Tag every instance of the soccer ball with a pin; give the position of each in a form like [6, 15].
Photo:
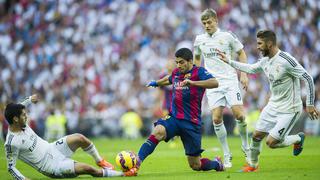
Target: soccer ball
[126, 160]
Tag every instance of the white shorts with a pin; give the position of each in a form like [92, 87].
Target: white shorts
[227, 96]
[57, 161]
[277, 124]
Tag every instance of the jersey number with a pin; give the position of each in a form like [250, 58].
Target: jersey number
[281, 131]
[59, 142]
[238, 96]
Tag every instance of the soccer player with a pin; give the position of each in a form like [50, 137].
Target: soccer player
[188, 83]
[228, 93]
[285, 105]
[51, 159]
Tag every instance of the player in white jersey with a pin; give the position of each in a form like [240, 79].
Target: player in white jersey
[285, 105]
[51, 159]
[228, 93]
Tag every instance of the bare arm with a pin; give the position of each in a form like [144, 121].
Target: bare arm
[209, 83]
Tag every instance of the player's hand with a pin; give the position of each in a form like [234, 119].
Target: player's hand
[34, 98]
[313, 113]
[223, 57]
[152, 83]
[244, 80]
[186, 82]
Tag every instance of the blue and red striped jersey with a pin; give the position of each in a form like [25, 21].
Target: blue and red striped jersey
[186, 101]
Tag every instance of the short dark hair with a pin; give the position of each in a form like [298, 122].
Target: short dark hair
[267, 35]
[208, 13]
[184, 53]
[13, 110]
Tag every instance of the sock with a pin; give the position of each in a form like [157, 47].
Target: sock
[111, 173]
[255, 150]
[207, 164]
[243, 133]
[221, 133]
[91, 149]
[148, 147]
[289, 140]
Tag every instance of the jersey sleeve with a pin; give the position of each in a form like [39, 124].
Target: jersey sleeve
[26, 101]
[12, 153]
[196, 46]
[295, 69]
[248, 68]
[204, 74]
[235, 43]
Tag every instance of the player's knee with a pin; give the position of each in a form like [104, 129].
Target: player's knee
[81, 138]
[195, 166]
[271, 144]
[217, 120]
[159, 132]
[240, 117]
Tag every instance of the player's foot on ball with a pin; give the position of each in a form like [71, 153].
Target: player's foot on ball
[131, 172]
[105, 164]
[227, 161]
[219, 161]
[298, 147]
[249, 168]
[138, 163]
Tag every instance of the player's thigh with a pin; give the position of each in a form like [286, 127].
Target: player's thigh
[57, 165]
[215, 98]
[194, 162]
[266, 121]
[62, 145]
[285, 122]
[238, 112]
[233, 96]
[166, 128]
[191, 138]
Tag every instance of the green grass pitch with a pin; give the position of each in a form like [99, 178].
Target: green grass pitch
[171, 163]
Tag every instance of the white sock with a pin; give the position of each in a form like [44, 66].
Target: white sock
[111, 173]
[255, 150]
[242, 125]
[289, 140]
[91, 149]
[221, 133]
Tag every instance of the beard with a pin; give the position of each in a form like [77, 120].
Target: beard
[265, 52]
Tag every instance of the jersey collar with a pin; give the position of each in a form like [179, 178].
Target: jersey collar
[215, 33]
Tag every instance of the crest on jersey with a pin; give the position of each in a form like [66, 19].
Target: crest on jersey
[187, 76]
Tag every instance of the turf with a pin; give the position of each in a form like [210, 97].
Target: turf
[170, 163]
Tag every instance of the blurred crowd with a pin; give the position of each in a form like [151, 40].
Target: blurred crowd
[89, 60]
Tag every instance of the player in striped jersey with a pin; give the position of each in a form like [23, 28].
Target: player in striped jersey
[51, 159]
[285, 105]
[188, 85]
[228, 93]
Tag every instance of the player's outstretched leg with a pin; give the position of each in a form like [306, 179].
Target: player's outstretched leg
[76, 141]
[298, 147]
[82, 168]
[158, 134]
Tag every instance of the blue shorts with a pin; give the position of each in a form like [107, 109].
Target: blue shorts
[189, 133]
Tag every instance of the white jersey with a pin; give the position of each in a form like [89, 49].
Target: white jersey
[284, 74]
[208, 46]
[27, 146]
